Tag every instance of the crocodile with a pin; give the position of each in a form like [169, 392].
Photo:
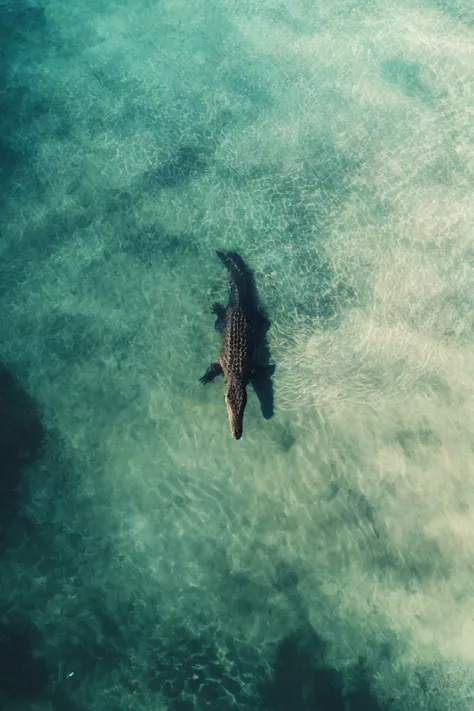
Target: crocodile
[241, 324]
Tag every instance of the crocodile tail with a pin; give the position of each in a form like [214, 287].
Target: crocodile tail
[239, 277]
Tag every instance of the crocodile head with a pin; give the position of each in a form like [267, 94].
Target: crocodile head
[236, 399]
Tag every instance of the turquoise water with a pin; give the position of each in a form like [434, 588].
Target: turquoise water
[149, 562]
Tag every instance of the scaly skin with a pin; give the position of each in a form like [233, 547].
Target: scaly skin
[238, 324]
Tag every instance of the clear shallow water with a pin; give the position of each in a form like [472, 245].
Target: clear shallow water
[151, 562]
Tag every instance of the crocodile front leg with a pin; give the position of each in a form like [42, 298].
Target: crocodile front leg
[212, 372]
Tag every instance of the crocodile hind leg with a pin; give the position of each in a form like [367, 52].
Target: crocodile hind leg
[219, 311]
[212, 372]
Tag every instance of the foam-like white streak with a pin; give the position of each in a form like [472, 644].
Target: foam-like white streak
[337, 159]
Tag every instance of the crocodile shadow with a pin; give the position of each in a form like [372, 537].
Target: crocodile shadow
[21, 437]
